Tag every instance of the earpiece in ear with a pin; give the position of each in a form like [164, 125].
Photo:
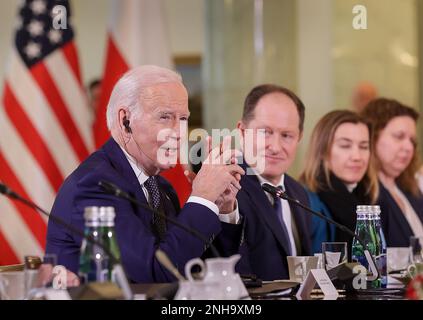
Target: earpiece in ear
[125, 123]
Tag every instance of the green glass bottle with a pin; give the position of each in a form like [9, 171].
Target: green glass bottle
[373, 245]
[107, 219]
[380, 256]
[363, 230]
[92, 260]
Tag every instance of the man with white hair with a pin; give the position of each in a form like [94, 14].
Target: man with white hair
[147, 116]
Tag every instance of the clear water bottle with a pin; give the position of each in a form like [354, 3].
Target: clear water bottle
[93, 262]
[31, 271]
[107, 222]
[381, 258]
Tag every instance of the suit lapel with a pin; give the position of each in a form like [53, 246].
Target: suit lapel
[400, 220]
[416, 203]
[121, 164]
[265, 209]
[298, 216]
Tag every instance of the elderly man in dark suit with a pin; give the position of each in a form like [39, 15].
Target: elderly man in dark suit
[146, 115]
[273, 228]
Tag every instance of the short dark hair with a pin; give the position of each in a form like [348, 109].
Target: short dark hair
[260, 91]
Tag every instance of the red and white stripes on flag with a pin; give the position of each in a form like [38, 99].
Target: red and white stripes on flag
[45, 129]
[136, 36]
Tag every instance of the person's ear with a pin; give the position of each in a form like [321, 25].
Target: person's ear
[124, 122]
[241, 128]
[241, 133]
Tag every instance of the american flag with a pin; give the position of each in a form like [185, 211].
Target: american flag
[45, 129]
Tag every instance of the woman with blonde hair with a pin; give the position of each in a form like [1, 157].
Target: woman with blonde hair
[337, 173]
[396, 161]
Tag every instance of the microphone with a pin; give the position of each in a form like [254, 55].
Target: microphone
[277, 192]
[281, 194]
[111, 188]
[120, 275]
[8, 192]
[11, 194]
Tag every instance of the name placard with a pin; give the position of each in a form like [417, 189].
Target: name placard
[322, 279]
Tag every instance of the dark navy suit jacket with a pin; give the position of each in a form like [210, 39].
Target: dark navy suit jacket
[262, 247]
[134, 234]
[395, 226]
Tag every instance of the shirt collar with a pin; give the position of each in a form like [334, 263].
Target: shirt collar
[263, 180]
[351, 187]
[141, 176]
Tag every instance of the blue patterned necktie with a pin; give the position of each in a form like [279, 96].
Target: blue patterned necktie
[155, 200]
[277, 206]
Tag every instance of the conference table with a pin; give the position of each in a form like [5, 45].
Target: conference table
[167, 291]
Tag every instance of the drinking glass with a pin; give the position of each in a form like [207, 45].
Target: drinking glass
[12, 285]
[416, 255]
[32, 265]
[45, 274]
[416, 247]
[334, 253]
[398, 259]
[50, 258]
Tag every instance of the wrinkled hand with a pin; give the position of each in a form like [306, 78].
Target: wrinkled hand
[226, 201]
[219, 176]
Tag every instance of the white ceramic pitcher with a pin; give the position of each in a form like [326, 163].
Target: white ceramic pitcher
[221, 270]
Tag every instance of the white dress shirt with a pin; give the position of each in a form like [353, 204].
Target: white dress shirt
[286, 211]
[232, 217]
[409, 213]
[419, 177]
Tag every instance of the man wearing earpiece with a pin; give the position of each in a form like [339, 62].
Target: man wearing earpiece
[147, 116]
